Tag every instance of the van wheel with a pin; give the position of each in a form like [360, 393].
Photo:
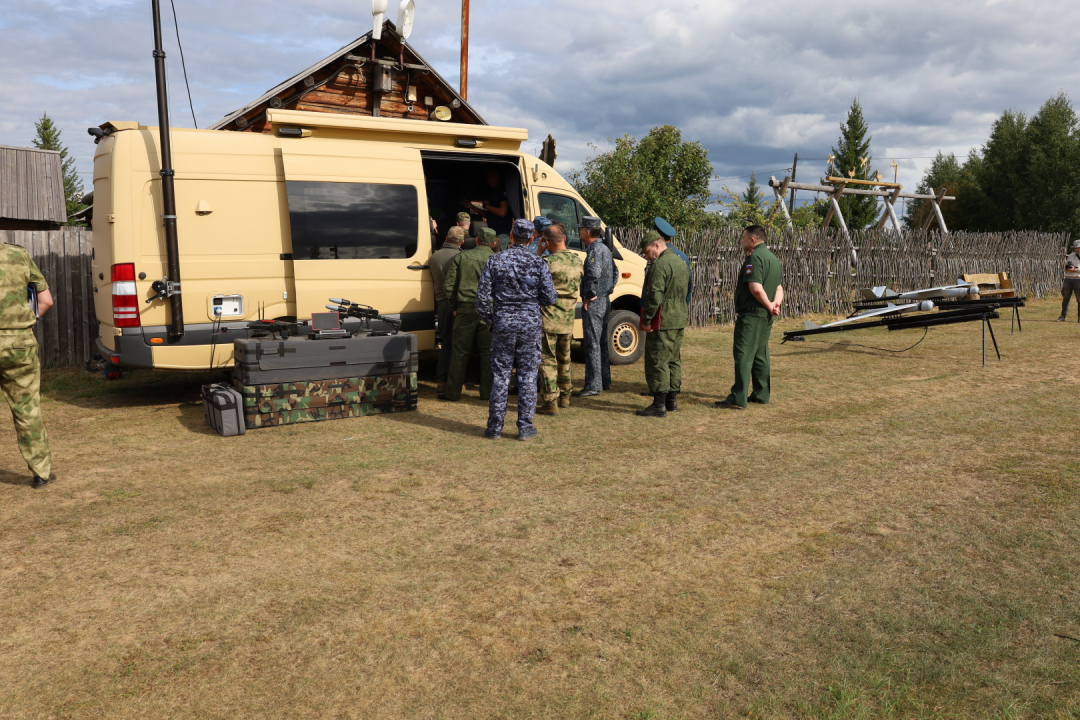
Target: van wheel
[625, 343]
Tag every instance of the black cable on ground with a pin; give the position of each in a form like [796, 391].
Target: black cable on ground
[176, 24]
[869, 347]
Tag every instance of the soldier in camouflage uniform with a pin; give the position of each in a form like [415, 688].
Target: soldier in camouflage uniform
[566, 270]
[513, 287]
[596, 286]
[462, 277]
[20, 372]
[664, 318]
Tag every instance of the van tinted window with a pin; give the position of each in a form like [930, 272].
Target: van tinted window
[559, 208]
[352, 221]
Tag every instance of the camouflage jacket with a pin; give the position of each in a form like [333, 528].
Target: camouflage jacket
[566, 271]
[600, 272]
[17, 271]
[512, 288]
[463, 276]
[665, 290]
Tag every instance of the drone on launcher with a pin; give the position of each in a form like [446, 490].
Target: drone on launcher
[919, 301]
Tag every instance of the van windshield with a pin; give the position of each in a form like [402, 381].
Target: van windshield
[352, 221]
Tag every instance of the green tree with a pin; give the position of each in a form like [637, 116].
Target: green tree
[661, 175]
[47, 137]
[750, 208]
[1026, 176]
[851, 159]
[944, 172]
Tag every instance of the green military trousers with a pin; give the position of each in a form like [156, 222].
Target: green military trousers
[555, 366]
[469, 328]
[20, 381]
[663, 360]
[751, 351]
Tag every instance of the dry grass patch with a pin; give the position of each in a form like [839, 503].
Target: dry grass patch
[893, 537]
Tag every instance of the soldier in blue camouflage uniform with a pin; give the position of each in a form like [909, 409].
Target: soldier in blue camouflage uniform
[540, 224]
[566, 270]
[20, 372]
[596, 287]
[512, 288]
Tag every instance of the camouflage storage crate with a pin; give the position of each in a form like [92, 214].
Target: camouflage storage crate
[296, 402]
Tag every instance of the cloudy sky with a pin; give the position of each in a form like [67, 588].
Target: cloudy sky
[755, 82]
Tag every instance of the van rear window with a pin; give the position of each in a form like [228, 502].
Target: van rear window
[352, 221]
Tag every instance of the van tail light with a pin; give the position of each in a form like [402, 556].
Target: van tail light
[125, 301]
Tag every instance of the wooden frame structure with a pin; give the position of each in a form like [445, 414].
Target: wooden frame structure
[839, 187]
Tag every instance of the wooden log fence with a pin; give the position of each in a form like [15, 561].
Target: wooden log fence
[823, 270]
[66, 333]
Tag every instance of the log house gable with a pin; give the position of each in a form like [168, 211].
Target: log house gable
[349, 82]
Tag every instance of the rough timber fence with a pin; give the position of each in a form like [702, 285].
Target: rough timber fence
[823, 271]
[67, 332]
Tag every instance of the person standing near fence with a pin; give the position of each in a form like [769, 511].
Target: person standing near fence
[663, 318]
[26, 297]
[758, 296]
[1070, 286]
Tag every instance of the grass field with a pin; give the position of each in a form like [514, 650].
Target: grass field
[895, 536]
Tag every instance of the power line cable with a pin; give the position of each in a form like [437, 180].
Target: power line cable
[176, 24]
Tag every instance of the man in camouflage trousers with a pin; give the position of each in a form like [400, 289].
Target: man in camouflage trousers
[513, 287]
[20, 372]
[664, 318]
[462, 278]
[558, 320]
[596, 286]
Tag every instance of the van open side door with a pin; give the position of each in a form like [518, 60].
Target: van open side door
[360, 229]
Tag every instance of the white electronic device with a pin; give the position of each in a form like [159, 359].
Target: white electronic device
[378, 13]
[227, 306]
[406, 12]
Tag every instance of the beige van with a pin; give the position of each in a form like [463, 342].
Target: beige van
[272, 225]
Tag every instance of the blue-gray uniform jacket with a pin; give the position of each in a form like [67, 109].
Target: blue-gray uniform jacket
[600, 272]
[513, 286]
[690, 284]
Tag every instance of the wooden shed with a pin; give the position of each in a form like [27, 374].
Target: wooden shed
[383, 78]
[31, 189]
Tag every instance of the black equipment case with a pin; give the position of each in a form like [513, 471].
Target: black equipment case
[300, 359]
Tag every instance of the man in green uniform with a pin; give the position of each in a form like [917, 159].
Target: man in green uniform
[566, 270]
[757, 301]
[663, 317]
[462, 277]
[440, 259]
[20, 373]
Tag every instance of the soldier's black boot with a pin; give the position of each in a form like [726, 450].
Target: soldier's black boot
[658, 407]
[671, 405]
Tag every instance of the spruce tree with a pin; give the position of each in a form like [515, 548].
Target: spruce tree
[851, 159]
[752, 195]
[48, 138]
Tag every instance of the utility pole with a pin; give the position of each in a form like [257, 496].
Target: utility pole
[791, 200]
[168, 191]
[465, 50]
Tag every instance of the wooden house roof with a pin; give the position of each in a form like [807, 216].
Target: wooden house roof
[32, 185]
[345, 82]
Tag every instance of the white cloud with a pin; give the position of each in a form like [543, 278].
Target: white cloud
[754, 82]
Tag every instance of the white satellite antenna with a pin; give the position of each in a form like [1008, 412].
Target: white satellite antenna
[378, 12]
[406, 12]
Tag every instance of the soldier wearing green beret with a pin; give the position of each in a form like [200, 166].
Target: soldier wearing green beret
[21, 284]
[462, 278]
[757, 301]
[663, 317]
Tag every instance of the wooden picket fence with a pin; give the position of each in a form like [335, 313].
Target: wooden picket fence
[823, 271]
[67, 332]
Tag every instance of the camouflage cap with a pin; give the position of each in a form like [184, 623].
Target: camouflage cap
[650, 237]
[523, 229]
[456, 234]
[589, 222]
[487, 236]
[463, 216]
[541, 223]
